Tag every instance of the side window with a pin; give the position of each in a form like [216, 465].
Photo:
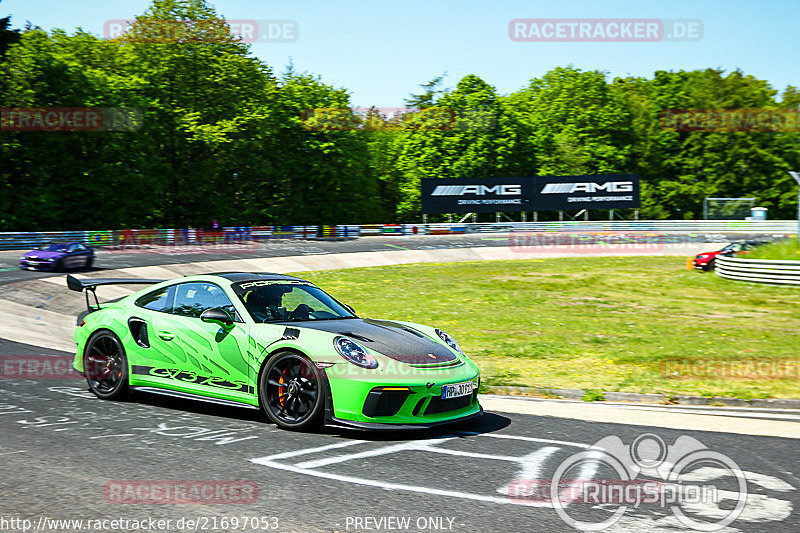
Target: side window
[159, 300]
[72, 248]
[191, 299]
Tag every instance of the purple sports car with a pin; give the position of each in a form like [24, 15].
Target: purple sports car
[58, 256]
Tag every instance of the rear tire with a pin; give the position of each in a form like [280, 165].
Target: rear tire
[106, 366]
[89, 262]
[290, 391]
[58, 266]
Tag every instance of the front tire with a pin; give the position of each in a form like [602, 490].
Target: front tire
[106, 366]
[290, 391]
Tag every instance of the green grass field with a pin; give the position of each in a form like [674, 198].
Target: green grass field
[603, 324]
[785, 249]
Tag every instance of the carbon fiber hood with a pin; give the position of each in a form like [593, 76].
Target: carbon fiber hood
[394, 340]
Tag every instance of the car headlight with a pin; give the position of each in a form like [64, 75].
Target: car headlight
[354, 353]
[703, 256]
[450, 341]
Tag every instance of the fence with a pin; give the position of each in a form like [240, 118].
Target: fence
[759, 270]
[247, 234]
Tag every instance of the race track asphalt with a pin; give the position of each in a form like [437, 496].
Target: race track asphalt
[64, 453]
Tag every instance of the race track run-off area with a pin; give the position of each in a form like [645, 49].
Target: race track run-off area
[168, 464]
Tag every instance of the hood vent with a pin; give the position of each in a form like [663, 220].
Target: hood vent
[357, 336]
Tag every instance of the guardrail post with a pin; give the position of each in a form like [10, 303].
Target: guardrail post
[796, 177]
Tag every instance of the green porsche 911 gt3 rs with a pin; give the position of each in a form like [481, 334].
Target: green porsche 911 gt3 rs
[272, 342]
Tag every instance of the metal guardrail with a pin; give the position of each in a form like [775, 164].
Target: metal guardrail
[237, 235]
[773, 271]
[700, 226]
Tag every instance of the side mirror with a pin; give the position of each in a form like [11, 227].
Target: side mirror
[217, 315]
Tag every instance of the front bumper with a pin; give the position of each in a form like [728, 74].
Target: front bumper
[701, 265]
[36, 264]
[349, 424]
[382, 401]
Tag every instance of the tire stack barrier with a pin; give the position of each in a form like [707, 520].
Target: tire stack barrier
[777, 272]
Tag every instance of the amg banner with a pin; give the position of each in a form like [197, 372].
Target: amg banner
[550, 193]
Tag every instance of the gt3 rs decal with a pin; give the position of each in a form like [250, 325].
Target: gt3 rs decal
[192, 377]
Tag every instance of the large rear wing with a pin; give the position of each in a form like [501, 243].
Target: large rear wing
[90, 285]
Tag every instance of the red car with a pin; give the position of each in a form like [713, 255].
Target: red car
[705, 261]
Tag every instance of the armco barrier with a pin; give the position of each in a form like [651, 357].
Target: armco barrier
[241, 234]
[759, 270]
[700, 226]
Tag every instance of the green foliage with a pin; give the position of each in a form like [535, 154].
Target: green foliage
[225, 138]
[593, 395]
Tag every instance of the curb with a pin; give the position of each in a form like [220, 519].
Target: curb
[663, 399]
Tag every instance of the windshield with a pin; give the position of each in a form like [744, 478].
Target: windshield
[54, 247]
[269, 301]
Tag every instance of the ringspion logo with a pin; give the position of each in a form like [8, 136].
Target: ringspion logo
[680, 477]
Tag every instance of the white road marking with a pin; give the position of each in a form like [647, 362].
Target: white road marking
[759, 508]
[429, 445]
[396, 486]
[708, 473]
[531, 467]
[586, 471]
[394, 448]
[306, 451]
[529, 439]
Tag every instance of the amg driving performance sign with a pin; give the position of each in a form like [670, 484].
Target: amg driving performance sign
[550, 193]
[476, 195]
[603, 191]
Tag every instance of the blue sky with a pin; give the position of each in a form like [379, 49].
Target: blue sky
[382, 49]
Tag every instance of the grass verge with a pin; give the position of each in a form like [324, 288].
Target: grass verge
[785, 249]
[627, 324]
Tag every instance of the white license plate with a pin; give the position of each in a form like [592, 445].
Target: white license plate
[456, 390]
